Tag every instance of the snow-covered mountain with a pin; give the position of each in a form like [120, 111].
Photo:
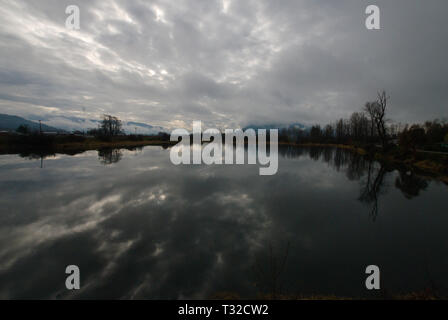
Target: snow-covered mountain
[279, 126]
[75, 123]
[130, 127]
[11, 123]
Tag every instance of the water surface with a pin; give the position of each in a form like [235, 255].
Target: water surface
[139, 227]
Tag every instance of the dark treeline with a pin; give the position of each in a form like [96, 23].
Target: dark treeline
[371, 126]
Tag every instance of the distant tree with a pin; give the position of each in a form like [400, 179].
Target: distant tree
[94, 132]
[412, 138]
[446, 138]
[340, 135]
[24, 129]
[110, 125]
[315, 132]
[283, 135]
[164, 136]
[359, 125]
[394, 129]
[300, 136]
[328, 132]
[435, 131]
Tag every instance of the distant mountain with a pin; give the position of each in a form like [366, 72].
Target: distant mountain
[142, 127]
[11, 123]
[70, 124]
[278, 126]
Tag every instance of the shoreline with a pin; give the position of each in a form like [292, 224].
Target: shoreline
[433, 166]
[78, 147]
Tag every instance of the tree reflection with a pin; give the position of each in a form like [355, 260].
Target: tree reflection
[315, 153]
[109, 156]
[291, 152]
[269, 269]
[410, 184]
[339, 159]
[372, 187]
[328, 155]
[38, 156]
[357, 167]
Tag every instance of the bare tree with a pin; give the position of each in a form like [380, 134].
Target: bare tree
[377, 114]
[381, 116]
[368, 108]
[342, 129]
[316, 132]
[110, 126]
[358, 126]
[269, 273]
[328, 132]
[339, 130]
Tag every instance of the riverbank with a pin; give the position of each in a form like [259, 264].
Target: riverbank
[70, 145]
[433, 165]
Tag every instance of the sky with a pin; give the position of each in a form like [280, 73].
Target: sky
[227, 63]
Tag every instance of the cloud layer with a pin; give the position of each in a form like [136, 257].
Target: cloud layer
[227, 63]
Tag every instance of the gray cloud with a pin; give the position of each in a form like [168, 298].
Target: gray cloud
[227, 63]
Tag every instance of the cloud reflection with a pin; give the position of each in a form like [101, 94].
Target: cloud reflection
[194, 231]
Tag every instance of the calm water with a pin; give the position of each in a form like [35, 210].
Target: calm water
[139, 227]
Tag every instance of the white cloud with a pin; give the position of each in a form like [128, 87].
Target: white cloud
[223, 62]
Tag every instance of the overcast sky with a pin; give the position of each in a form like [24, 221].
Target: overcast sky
[225, 62]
